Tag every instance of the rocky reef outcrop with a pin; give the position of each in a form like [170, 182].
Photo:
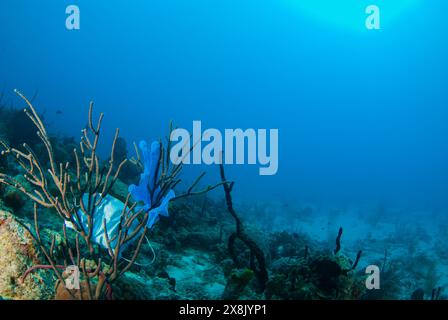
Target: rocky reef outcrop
[18, 253]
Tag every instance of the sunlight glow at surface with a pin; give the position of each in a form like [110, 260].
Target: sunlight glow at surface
[351, 13]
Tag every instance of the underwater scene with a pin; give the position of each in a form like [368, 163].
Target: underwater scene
[223, 150]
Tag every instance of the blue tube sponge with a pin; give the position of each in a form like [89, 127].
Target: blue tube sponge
[147, 191]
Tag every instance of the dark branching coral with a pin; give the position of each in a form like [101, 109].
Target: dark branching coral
[338, 249]
[338, 241]
[257, 258]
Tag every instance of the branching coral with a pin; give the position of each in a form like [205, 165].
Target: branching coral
[257, 257]
[75, 197]
[338, 249]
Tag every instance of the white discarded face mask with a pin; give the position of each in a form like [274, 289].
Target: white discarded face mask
[110, 210]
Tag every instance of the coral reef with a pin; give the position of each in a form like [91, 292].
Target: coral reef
[52, 216]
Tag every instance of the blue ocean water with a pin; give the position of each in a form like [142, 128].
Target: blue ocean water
[362, 114]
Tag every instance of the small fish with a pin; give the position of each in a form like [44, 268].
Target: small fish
[58, 112]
